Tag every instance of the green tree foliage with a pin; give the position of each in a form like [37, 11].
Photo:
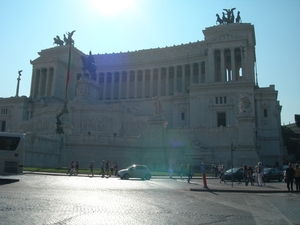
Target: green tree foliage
[291, 140]
[297, 120]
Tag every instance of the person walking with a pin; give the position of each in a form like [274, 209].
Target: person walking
[212, 170]
[91, 169]
[116, 169]
[189, 169]
[77, 167]
[222, 171]
[245, 174]
[102, 168]
[290, 173]
[259, 174]
[181, 171]
[297, 177]
[250, 173]
[107, 168]
[70, 168]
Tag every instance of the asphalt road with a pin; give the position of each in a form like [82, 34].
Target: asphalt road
[46, 199]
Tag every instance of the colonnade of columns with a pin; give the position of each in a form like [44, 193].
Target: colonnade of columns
[228, 64]
[42, 83]
[147, 83]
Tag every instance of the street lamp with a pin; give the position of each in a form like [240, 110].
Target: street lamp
[231, 151]
[18, 84]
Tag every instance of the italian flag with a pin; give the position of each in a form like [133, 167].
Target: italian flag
[69, 68]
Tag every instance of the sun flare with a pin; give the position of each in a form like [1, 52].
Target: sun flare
[111, 8]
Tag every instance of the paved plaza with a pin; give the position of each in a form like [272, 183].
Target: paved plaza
[60, 199]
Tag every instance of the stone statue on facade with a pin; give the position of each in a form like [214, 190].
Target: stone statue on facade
[238, 17]
[157, 105]
[244, 104]
[227, 17]
[219, 20]
[88, 64]
[67, 40]
[58, 41]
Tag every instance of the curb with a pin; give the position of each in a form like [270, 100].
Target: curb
[239, 191]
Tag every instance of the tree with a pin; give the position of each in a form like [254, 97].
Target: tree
[297, 120]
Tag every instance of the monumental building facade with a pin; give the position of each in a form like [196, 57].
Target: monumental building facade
[186, 104]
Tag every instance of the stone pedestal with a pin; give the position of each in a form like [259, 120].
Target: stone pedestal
[245, 151]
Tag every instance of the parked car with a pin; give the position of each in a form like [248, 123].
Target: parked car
[271, 174]
[135, 171]
[238, 174]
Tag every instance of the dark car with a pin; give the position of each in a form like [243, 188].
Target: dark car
[238, 174]
[271, 174]
[135, 171]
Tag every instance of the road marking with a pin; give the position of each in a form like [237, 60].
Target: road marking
[264, 212]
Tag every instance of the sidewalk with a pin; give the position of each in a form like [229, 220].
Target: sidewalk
[214, 185]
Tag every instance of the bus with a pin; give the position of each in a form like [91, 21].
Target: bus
[11, 153]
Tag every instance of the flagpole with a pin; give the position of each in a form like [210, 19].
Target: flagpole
[65, 109]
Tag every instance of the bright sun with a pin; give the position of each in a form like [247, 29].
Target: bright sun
[111, 8]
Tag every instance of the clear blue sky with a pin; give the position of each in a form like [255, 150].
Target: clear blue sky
[101, 26]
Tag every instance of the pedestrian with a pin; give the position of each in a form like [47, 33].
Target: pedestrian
[245, 174]
[77, 167]
[189, 169]
[290, 173]
[250, 173]
[216, 171]
[116, 169]
[91, 169]
[102, 168]
[222, 171]
[259, 174]
[112, 166]
[297, 177]
[70, 168]
[171, 171]
[212, 170]
[107, 168]
[181, 171]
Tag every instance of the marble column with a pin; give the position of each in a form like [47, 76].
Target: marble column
[104, 86]
[233, 73]
[120, 86]
[151, 82]
[167, 81]
[159, 82]
[143, 83]
[127, 84]
[223, 78]
[183, 78]
[135, 83]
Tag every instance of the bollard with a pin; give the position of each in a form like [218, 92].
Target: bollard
[204, 180]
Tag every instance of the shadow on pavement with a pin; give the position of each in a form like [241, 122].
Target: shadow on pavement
[7, 181]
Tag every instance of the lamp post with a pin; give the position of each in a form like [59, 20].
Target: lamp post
[231, 151]
[18, 84]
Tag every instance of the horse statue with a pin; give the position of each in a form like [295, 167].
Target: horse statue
[58, 41]
[219, 20]
[230, 15]
[88, 64]
[68, 40]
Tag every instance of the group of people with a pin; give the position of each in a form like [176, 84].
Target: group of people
[73, 169]
[293, 176]
[248, 172]
[107, 169]
[218, 170]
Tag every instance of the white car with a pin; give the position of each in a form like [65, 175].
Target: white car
[135, 171]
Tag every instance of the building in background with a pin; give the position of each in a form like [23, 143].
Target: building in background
[187, 104]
